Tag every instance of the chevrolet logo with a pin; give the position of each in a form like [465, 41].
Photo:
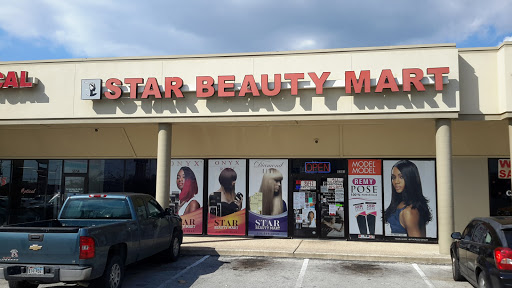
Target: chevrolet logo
[35, 247]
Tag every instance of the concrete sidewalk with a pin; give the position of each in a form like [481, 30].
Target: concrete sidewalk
[315, 248]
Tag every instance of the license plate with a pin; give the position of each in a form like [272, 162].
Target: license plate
[35, 270]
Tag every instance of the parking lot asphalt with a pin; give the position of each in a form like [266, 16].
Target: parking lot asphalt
[425, 253]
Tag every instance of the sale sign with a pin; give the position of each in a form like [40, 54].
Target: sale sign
[503, 168]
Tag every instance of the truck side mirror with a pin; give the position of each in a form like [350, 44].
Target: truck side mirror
[169, 211]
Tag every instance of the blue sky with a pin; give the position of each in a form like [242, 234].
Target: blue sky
[57, 29]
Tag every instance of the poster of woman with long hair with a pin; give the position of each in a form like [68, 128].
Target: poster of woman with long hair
[268, 197]
[226, 196]
[410, 199]
[186, 197]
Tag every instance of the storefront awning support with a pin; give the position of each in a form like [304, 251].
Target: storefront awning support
[444, 184]
[163, 167]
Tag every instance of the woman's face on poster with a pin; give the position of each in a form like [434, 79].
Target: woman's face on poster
[397, 180]
[180, 179]
[277, 185]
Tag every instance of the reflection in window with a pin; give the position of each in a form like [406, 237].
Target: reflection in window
[75, 166]
[54, 188]
[28, 196]
[106, 176]
[5, 183]
[140, 176]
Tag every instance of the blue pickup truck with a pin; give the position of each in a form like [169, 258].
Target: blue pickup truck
[90, 242]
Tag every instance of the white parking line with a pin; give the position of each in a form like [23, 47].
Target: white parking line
[168, 282]
[298, 284]
[423, 276]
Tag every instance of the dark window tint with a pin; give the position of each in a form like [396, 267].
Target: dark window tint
[5, 183]
[508, 237]
[481, 234]
[499, 187]
[96, 208]
[106, 176]
[466, 235]
[140, 176]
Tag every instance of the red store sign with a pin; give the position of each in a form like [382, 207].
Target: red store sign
[226, 86]
[11, 80]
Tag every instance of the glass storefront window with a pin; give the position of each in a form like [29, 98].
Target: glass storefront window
[27, 196]
[140, 176]
[500, 197]
[32, 190]
[5, 183]
[106, 176]
[75, 166]
[54, 197]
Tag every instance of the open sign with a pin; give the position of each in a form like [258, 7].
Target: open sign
[317, 167]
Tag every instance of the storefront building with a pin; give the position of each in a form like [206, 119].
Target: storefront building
[318, 144]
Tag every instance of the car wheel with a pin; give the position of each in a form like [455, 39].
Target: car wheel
[456, 269]
[175, 248]
[113, 275]
[22, 284]
[482, 280]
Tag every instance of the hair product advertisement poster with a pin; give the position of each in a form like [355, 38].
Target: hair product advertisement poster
[226, 196]
[365, 198]
[410, 199]
[268, 194]
[186, 197]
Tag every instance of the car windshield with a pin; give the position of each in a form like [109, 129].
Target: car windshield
[96, 208]
[508, 236]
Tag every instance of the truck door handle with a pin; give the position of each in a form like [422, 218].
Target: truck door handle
[35, 237]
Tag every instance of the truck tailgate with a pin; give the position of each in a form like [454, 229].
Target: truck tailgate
[35, 246]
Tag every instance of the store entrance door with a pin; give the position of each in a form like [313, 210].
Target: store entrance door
[318, 199]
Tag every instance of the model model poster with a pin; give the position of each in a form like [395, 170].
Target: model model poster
[226, 196]
[186, 197]
[268, 195]
[410, 199]
[365, 197]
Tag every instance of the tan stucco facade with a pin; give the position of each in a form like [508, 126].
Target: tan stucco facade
[51, 120]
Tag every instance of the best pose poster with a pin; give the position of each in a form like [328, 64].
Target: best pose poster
[365, 197]
[226, 196]
[268, 195]
[410, 199]
[186, 195]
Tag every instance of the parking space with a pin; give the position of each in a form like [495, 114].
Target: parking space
[214, 271]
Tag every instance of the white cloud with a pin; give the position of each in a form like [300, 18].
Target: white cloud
[97, 28]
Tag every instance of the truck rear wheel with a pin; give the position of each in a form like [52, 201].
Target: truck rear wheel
[22, 284]
[113, 275]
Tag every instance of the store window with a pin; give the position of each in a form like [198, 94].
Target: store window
[140, 176]
[5, 183]
[106, 176]
[28, 194]
[32, 190]
[500, 197]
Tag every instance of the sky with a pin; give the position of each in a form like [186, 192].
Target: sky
[64, 29]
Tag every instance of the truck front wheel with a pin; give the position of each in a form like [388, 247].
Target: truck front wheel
[22, 284]
[175, 248]
[113, 275]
